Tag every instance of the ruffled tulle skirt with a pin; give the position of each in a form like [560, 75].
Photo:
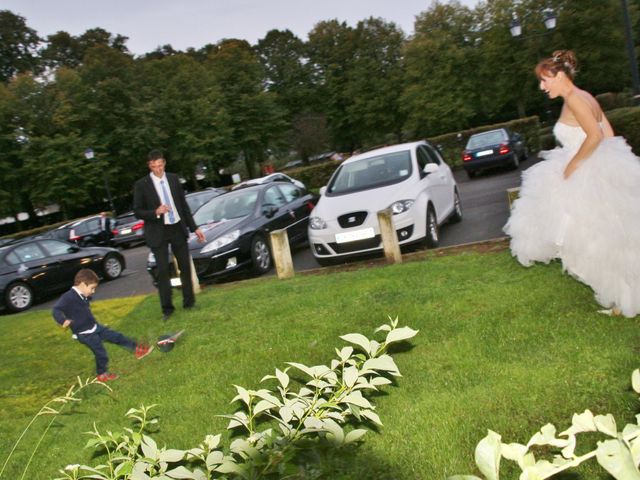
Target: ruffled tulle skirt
[590, 221]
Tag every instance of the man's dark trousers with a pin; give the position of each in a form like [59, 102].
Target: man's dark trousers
[94, 342]
[173, 235]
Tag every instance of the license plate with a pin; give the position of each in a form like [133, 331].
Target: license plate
[355, 235]
[125, 231]
[484, 153]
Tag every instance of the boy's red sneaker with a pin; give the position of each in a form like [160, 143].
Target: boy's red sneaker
[106, 377]
[142, 351]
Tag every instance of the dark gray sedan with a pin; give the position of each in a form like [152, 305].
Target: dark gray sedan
[500, 147]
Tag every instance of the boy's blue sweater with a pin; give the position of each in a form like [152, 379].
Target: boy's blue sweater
[71, 306]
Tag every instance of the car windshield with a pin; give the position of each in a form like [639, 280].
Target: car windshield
[225, 207]
[487, 138]
[371, 172]
[196, 200]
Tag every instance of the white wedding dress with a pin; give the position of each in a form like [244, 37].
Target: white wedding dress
[590, 221]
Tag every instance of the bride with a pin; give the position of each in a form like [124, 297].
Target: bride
[582, 203]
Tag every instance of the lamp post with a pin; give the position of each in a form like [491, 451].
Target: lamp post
[88, 154]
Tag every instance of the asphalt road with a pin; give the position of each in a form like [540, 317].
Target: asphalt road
[485, 211]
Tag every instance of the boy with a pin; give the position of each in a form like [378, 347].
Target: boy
[72, 310]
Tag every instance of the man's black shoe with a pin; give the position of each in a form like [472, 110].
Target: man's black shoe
[165, 316]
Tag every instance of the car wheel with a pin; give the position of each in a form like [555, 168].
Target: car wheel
[112, 267]
[456, 216]
[525, 153]
[432, 236]
[18, 297]
[515, 161]
[260, 255]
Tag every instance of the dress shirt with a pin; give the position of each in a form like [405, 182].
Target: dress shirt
[172, 205]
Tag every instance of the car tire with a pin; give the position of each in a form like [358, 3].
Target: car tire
[432, 235]
[456, 216]
[260, 255]
[525, 154]
[515, 161]
[112, 267]
[18, 297]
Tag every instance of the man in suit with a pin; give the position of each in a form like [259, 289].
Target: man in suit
[158, 199]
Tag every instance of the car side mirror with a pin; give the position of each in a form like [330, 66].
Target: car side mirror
[73, 249]
[430, 168]
[323, 190]
[269, 211]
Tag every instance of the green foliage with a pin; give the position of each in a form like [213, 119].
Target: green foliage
[626, 122]
[619, 454]
[315, 176]
[71, 396]
[309, 416]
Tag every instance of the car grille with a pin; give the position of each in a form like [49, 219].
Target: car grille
[352, 219]
[367, 244]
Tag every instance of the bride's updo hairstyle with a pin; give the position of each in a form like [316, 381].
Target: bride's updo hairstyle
[560, 61]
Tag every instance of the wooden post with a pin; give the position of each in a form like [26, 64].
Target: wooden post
[282, 253]
[512, 195]
[389, 236]
[194, 278]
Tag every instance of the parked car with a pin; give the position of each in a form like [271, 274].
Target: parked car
[237, 225]
[86, 232]
[273, 177]
[32, 269]
[197, 199]
[494, 148]
[127, 230]
[411, 179]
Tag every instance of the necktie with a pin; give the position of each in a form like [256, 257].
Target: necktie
[167, 201]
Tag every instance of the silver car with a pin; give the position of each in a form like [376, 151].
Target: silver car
[411, 178]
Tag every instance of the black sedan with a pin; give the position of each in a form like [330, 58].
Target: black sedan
[494, 148]
[33, 269]
[237, 226]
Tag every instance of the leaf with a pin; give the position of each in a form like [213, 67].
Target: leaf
[615, 458]
[487, 455]
[399, 334]
[301, 367]
[261, 406]
[213, 459]
[350, 375]
[635, 380]
[514, 452]
[149, 447]
[354, 435]
[606, 424]
[172, 455]
[371, 415]
[384, 363]
[283, 378]
[379, 381]
[179, 472]
[356, 398]
[357, 339]
[212, 441]
[464, 477]
[243, 395]
[581, 423]
[345, 353]
[286, 413]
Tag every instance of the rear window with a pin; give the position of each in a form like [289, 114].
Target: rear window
[371, 172]
[487, 138]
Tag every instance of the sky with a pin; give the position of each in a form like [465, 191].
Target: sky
[195, 23]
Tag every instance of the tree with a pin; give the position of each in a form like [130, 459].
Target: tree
[18, 46]
[255, 119]
[376, 82]
[440, 63]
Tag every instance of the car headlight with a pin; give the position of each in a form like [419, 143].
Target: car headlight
[316, 223]
[221, 241]
[401, 206]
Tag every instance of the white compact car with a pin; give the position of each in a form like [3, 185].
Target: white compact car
[411, 178]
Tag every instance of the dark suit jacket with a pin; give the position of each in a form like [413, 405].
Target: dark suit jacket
[146, 201]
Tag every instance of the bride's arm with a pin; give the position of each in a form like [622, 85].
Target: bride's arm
[583, 113]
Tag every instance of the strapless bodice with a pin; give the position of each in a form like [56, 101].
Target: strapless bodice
[569, 136]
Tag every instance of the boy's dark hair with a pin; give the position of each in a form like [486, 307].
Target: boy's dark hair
[86, 276]
[155, 155]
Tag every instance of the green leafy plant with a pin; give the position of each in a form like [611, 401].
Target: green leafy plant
[619, 454]
[72, 396]
[274, 428]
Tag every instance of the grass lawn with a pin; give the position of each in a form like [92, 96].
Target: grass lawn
[500, 347]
